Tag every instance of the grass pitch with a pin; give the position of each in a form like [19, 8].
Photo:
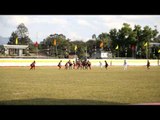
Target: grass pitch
[50, 86]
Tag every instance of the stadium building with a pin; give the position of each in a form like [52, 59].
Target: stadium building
[16, 50]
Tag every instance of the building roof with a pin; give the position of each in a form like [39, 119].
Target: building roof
[16, 46]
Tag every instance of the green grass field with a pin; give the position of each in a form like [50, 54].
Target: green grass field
[50, 86]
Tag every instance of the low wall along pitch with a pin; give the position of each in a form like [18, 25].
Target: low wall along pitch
[94, 62]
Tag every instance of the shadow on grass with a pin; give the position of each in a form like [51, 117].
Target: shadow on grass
[51, 101]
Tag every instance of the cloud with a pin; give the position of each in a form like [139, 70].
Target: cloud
[34, 19]
[87, 23]
[111, 22]
[74, 36]
[16, 20]
[20, 19]
[83, 22]
[117, 21]
[73, 26]
[59, 21]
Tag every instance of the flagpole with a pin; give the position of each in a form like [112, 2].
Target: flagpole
[147, 51]
[37, 46]
[55, 44]
[158, 56]
[75, 53]
[56, 50]
[118, 53]
[37, 51]
[75, 49]
[86, 52]
[158, 59]
[117, 50]
[140, 53]
[132, 51]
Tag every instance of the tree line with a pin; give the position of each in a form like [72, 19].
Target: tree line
[123, 42]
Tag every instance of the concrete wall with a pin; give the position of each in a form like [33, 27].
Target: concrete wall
[120, 62]
[27, 62]
[94, 62]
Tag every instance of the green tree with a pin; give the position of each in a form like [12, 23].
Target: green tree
[12, 39]
[90, 46]
[60, 49]
[105, 39]
[138, 40]
[81, 47]
[114, 37]
[157, 39]
[148, 36]
[22, 31]
[94, 36]
[122, 39]
[22, 34]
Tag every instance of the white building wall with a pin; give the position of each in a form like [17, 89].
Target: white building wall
[6, 51]
[20, 52]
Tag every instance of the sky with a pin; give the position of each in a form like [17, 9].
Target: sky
[74, 27]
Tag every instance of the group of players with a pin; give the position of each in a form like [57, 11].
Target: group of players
[76, 65]
[80, 64]
[85, 64]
